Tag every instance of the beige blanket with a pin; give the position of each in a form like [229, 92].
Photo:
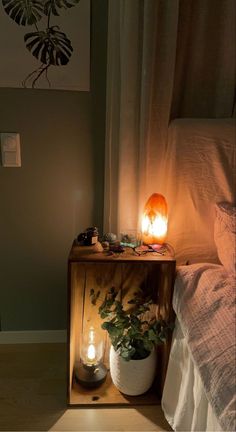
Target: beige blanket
[204, 302]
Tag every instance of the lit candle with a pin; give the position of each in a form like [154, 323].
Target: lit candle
[91, 353]
[91, 372]
[91, 356]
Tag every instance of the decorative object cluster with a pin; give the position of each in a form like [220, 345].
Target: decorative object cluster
[88, 237]
[151, 238]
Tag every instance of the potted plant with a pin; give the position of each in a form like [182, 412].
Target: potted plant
[134, 333]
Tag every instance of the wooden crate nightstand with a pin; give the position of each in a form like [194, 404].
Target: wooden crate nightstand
[127, 271]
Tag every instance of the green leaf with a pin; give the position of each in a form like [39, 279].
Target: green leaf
[112, 329]
[50, 47]
[148, 345]
[54, 6]
[152, 335]
[127, 353]
[105, 325]
[118, 307]
[104, 315]
[24, 12]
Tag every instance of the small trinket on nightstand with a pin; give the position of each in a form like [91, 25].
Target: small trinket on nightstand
[116, 248]
[98, 247]
[105, 245]
[109, 237]
[89, 237]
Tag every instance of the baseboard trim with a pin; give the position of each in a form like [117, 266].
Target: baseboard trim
[33, 336]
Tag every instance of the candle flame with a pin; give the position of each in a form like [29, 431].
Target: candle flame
[91, 349]
[91, 355]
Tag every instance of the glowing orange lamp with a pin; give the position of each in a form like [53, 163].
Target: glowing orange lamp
[155, 220]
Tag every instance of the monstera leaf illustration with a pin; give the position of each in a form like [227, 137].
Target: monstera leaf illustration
[52, 6]
[24, 12]
[51, 47]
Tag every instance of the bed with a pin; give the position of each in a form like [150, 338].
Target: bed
[199, 392]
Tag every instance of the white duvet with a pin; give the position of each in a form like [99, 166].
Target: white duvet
[204, 302]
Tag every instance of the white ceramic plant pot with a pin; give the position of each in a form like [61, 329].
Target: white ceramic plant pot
[133, 377]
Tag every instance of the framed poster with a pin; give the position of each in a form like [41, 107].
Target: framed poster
[45, 44]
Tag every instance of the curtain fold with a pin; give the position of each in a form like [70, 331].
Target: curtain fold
[204, 80]
[166, 59]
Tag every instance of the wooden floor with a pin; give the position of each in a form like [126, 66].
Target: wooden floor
[33, 396]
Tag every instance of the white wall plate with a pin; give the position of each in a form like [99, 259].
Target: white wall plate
[10, 148]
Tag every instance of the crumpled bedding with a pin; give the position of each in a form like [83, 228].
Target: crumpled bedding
[204, 302]
[199, 171]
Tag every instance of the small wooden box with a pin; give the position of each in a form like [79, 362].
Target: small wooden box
[89, 269]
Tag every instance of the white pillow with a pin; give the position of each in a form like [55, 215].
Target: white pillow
[225, 235]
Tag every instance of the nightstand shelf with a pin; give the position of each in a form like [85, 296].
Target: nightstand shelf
[89, 269]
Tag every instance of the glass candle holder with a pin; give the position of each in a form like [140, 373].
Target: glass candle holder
[91, 372]
[130, 238]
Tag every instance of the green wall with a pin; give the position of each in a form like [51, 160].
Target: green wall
[56, 193]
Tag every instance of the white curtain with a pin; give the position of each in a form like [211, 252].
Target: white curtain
[166, 59]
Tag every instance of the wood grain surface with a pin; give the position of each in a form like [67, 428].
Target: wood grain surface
[153, 274]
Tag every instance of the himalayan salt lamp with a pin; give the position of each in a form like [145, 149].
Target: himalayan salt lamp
[155, 220]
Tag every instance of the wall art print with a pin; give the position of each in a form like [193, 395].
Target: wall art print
[45, 44]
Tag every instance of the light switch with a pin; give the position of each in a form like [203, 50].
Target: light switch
[10, 147]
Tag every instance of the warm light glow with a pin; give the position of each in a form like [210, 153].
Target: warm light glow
[156, 227]
[91, 335]
[91, 353]
[155, 220]
[91, 349]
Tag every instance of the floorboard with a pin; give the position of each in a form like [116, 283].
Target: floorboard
[33, 396]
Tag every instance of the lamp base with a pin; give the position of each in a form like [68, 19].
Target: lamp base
[91, 376]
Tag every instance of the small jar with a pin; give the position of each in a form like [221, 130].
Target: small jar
[91, 236]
